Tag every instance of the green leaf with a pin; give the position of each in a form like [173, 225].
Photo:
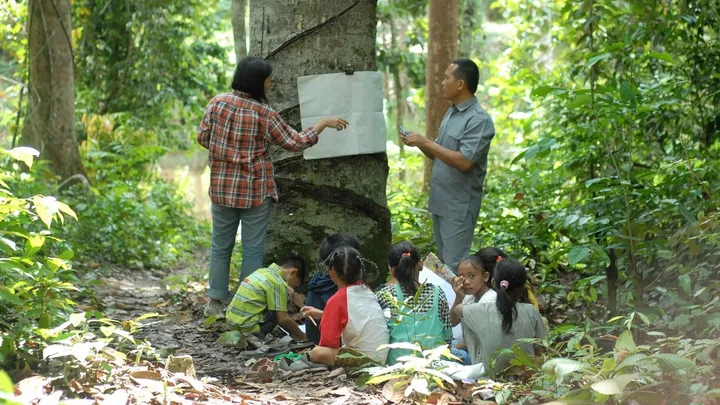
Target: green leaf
[614, 386]
[6, 384]
[577, 254]
[108, 330]
[545, 90]
[385, 377]
[23, 154]
[626, 342]
[518, 157]
[662, 56]
[579, 101]
[644, 318]
[66, 209]
[597, 58]
[698, 292]
[45, 209]
[627, 92]
[561, 367]
[8, 296]
[672, 362]
[33, 244]
[686, 284]
[230, 338]
[601, 254]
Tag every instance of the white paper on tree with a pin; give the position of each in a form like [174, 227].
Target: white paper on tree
[358, 99]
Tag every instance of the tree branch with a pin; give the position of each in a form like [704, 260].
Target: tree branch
[309, 31]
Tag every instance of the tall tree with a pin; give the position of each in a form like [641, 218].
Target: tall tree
[470, 19]
[318, 197]
[50, 122]
[442, 49]
[237, 11]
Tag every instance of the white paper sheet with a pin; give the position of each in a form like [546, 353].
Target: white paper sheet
[358, 99]
[427, 275]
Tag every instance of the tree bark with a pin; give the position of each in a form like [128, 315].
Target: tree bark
[319, 197]
[49, 125]
[237, 11]
[442, 49]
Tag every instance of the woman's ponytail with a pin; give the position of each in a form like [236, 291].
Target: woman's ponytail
[509, 280]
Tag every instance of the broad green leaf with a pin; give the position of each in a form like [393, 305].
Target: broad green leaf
[627, 92]
[698, 292]
[626, 342]
[561, 367]
[601, 254]
[644, 318]
[66, 209]
[614, 386]
[518, 157]
[420, 385]
[662, 56]
[382, 378]
[577, 254]
[545, 90]
[9, 296]
[633, 360]
[686, 284]
[45, 209]
[33, 244]
[230, 338]
[579, 101]
[107, 330]
[23, 154]
[6, 384]
[597, 58]
[672, 362]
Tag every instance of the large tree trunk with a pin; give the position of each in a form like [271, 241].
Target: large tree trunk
[237, 11]
[50, 124]
[319, 197]
[442, 48]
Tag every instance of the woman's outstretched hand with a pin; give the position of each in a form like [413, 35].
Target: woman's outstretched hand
[336, 122]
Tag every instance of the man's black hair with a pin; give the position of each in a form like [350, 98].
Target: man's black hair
[298, 262]
[468, 71]
[337, 240]
[250, 75]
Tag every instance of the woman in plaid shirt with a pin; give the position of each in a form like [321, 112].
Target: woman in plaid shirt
[237, 130]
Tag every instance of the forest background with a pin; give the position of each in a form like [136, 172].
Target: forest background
[602, 176]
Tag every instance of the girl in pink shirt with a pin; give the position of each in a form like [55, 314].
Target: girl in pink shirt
[352, 318]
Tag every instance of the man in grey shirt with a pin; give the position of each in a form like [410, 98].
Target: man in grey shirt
[460, 163]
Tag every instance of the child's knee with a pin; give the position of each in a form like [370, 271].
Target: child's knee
[323, 355]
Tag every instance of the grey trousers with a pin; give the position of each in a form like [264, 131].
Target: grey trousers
[453, 238]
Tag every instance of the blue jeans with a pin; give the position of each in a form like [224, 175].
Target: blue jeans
[225, 221]
[460, 353]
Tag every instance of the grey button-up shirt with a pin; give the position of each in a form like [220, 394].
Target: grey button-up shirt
[466, 128]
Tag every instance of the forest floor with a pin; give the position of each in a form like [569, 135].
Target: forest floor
[179, 298]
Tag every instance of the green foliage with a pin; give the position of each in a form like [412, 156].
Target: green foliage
[412, 376]
[150, 64]
[35, 283]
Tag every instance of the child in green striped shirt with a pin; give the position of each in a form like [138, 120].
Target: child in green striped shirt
[261, 301]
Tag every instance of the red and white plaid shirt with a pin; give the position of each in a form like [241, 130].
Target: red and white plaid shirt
[237, 131]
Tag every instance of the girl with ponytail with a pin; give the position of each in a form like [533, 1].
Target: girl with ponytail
[416, 313]
[492, 326]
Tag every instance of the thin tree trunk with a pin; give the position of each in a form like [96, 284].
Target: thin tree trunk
[442, 49]
[470, 18]
[50, 124]
[318, 197]
[399, 102]
[237, 11]
[611, 274]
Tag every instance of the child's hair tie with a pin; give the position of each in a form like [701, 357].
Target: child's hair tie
[504, 284]
[405, 254]
[497, 259]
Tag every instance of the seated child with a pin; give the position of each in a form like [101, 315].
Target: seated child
[352, 318]
[490, 256]
[321, 287]
[261, 300]
[491, 326]
[472, 285]
[425, 321]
